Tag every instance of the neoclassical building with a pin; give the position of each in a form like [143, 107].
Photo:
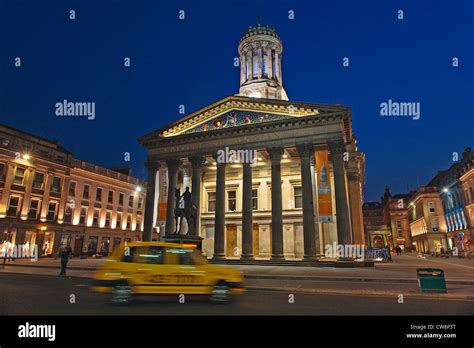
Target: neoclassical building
[270, 177]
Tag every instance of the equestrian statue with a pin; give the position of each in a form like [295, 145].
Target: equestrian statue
[188, 211]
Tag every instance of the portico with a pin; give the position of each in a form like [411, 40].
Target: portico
[297, 187]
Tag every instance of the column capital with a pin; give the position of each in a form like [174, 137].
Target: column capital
[197, 161]
[305, 150]
[173, 164]
[336, 147]
[275, 153]
[152, 166]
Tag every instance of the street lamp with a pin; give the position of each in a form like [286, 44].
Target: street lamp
[26, 156]
[138, 189]
[446, 190]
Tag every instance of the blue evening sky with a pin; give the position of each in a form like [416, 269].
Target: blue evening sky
[190, 62]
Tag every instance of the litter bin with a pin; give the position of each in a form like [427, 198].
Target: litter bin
[431, 280]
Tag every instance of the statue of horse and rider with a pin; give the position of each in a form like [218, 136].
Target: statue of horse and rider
[188, 211]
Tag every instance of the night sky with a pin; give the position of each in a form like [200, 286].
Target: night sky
[190, 62]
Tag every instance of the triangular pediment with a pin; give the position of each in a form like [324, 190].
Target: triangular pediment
[235, 112]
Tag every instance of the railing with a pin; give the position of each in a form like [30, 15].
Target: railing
[106, 172]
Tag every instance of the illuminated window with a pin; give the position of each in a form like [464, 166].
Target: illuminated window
[98, 195]
[68, 214]
[38, 181]
[232, 200]
[82, 216]
[19, 176]
[85, 192]
[13, 206]
[51, 211]
[255, 199]
[298, 195]
[56, 185]
[72, 189]
[119, 220]
[107, 218]
[2, 171]
[95, 219]
[34, 207]
[211, 201]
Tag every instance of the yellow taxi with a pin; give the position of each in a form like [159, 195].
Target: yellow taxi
[164, 268]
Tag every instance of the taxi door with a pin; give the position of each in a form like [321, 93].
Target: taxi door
[151, 272]
[186, 277]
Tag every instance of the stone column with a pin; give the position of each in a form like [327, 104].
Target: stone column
[171, 203]
[197, 163]
[311, 237]
[248, 61]
[355, 183]
[247, 213]
[342, 208]
[277, 67]
[277, 215]
[152, 168]
[219, 222]
[242, 69]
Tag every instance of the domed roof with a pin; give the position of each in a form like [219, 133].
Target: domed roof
[260, 30]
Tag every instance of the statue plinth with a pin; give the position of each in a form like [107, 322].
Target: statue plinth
[184, 239]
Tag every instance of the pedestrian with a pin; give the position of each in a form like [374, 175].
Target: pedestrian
[65, 252]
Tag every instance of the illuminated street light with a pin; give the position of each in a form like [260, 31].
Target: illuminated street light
[138, 189]
[445, 189]
[26, 156]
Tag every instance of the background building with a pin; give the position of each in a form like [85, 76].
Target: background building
[456, 190]
[396, 219]
[427, 223]
[376, 230]
[48, 197]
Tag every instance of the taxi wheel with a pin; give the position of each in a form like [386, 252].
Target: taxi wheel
[122, 293]
[220, 293]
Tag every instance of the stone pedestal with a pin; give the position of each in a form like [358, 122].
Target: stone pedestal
[184, 239]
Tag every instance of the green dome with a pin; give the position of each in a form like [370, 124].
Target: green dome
[260, 30]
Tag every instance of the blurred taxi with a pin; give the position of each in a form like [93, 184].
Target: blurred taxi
[164, 268]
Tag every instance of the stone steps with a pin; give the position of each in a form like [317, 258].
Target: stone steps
[294, 263]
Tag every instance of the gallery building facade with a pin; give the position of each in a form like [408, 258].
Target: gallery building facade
[49, 198]
[269, 177]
